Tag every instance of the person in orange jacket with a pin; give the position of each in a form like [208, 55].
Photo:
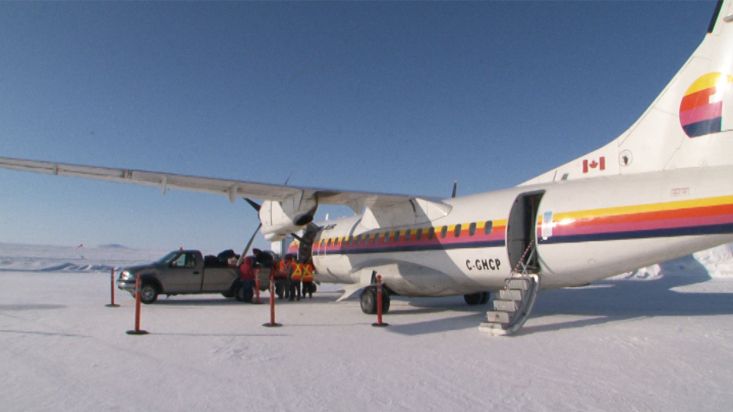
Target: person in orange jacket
[308, 278]
[295, 277]
[282, 275]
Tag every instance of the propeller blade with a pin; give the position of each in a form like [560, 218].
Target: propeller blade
[246, 248]
[256, 206]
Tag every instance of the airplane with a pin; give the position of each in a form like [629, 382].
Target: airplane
[660, 190]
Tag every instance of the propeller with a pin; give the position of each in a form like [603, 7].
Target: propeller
[256, 206]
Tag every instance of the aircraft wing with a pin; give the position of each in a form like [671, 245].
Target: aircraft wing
[226, 187]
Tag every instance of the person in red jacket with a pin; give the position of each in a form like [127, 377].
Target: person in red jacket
[247, 278]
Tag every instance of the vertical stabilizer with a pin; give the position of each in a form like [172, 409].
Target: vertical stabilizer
[690, 123]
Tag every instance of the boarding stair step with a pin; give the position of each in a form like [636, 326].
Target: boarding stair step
[497, 316]
[519, 283]
[510, 294]
[505, 305]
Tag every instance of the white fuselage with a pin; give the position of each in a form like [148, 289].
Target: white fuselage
[580, 231]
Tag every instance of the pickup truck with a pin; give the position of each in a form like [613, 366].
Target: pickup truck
[185, 272]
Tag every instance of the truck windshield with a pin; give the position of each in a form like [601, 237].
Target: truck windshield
[167, 258]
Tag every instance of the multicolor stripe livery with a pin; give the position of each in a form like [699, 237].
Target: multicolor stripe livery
[459, 236]
[682, 218]
[701, 109]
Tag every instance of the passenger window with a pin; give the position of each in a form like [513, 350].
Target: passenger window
[487, 227]
[431, 232]
[418, 235]
[457, 231]
[396, 235]
[443, 231]
[472, 229]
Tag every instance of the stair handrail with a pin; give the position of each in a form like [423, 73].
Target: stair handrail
[521, 261]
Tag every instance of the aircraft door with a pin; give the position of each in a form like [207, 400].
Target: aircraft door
[521, 230]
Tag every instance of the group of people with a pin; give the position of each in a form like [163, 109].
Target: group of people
[293, 279]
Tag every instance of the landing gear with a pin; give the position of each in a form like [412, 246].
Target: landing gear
[480, 298]
[369, 300]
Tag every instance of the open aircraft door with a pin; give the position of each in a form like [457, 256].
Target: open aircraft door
[521, 231]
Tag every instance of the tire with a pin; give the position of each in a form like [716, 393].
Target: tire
[368, 301]
[480, 298]
[385, 302]
[148, 293]
[243, 294]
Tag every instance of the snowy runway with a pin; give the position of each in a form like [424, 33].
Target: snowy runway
[664, 343]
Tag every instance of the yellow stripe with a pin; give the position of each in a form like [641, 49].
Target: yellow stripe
[705, 82]
[652, 207]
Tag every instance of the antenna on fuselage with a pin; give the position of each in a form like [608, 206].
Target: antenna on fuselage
[455, 189]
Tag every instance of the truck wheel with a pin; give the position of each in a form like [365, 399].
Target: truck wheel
[244, 294]
[148, 293]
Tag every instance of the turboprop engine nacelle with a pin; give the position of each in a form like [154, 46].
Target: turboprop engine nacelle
[280, 218]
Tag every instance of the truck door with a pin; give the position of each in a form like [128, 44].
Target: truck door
[219, 279]
[184, 274]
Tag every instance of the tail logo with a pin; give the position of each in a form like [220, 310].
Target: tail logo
[701, 109]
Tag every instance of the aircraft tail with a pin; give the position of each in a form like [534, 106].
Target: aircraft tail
[690, 123]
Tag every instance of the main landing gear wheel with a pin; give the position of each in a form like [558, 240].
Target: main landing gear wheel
[480, 298]
[369, 300]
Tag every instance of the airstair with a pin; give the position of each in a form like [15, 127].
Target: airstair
[514, 303]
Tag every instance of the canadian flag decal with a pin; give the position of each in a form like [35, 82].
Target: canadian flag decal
[599, 164]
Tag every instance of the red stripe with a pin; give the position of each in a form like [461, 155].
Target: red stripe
[650, 220]
[702, 113]
[697, 99]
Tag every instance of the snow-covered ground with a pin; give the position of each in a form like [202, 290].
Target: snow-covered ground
[658, 339]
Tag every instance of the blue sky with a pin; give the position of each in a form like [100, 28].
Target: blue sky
[402, 97]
